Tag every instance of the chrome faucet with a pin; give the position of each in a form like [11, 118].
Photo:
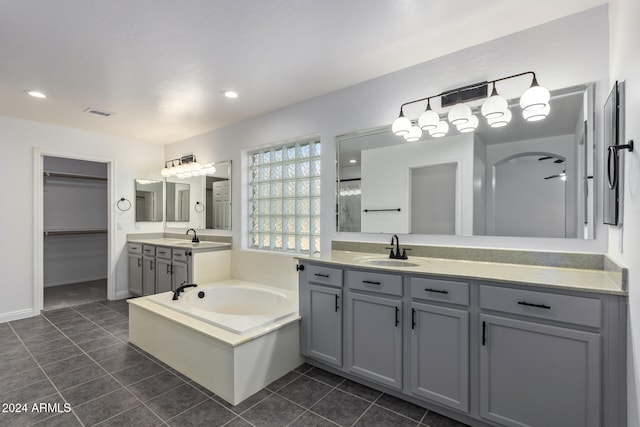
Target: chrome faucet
[397, 254]
[195, 236]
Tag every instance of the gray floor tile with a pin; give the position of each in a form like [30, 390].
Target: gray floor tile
[402, 407]
[273, 411]
[103, 316]
[202, 389]
[86, 335]
[105, 407]
[206, 414]
[237, 422]
[283, 381]
[17, 365]
[126, 358]
[98, 343]
[303, 368]
[305, 391]
[83, 308]
[341, 408]
[66, 365]
[138, 416]
[360, 390]
[138, 372]
[61, 420]
[28, 418]
[21, 379]
[13, 349]
[38, 348]
[119, 326]
[377, 416]
[90, 390]
[309, 419]
[50, 335]
[58, 354]
[151, 387]
[78, 376]
[29, 323]
[246, 404]
[29, 393]
[57, 297]
[176, 401]
[109, 352]
[433, 419]
[324, 376]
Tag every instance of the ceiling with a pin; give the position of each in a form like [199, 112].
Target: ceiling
[160, 65]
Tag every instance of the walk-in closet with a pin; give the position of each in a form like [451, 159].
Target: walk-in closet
[75, 218]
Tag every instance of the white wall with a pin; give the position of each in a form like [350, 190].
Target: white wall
[18, 139]
[624, 243]
[563, 53]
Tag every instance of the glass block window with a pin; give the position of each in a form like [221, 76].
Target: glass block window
[284, 197]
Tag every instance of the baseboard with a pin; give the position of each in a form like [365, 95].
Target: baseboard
[17, 315]
[123, 295]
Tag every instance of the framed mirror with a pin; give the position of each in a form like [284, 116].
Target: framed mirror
[200, 202]
[527, 179]
[149, 203]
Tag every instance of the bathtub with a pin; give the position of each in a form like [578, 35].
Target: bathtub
[234, 305]
[235, 340]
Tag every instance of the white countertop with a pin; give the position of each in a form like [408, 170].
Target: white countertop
[534, 275]
[204, 245]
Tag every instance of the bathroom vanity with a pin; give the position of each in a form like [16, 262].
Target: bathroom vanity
[162, 264]
[483, 342]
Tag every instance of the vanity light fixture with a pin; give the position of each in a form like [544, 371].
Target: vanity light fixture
[353, 161]
[415, 133]
[186, 167]
[495, 109]
[230, 94]
[36, 94]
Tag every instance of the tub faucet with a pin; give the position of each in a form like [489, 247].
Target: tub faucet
[195, 236]
[397, 254]
[180, 289]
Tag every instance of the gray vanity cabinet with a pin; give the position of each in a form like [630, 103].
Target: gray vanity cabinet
[164, 269]
[135, 268]
[374, 327]
[536, 374]
[181, 268]
[440, 341]
[148, 270]
[321, 311]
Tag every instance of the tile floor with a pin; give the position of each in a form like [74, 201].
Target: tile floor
[80, 356]
[74, 294]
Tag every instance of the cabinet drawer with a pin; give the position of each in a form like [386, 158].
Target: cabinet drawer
[440, 290]
[162, 252]
[149, 250]
[325, 275]
[180, 255]
[562, 308]
[376, 282]
[134, 248]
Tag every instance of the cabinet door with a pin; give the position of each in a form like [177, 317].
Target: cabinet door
[180, 275]
[440, 354]
[374, 338]
[324, 324]
[538, 375]
[163, 275]
[148, 275]
[135, 274]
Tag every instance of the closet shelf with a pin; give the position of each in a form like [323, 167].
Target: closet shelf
[73, 176]
[72, 232]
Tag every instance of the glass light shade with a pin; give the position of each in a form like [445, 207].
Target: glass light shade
[180, 175]
[401, 126]
[498, 122]
[428, 120]
[209, 169]
[494, 106]
[415, 133]
[165, 172]
[470, 126]
[535, 115]
[534, 98]
[459, 114]
[441, 130]
[194, 166]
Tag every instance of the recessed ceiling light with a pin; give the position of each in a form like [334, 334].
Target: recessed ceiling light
[353, 161]
[230, 94]
[36, 94]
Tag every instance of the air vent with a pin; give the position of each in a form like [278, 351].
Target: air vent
[98, 112]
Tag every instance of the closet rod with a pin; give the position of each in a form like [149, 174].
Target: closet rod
[73, 176]
[73, 232]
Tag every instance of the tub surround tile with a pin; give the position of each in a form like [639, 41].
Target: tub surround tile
[341, 408]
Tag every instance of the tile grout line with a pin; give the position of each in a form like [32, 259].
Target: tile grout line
[47, 376]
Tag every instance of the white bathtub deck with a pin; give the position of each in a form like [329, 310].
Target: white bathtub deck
[233, 366]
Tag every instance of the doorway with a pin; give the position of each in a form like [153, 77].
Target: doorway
[75, 218]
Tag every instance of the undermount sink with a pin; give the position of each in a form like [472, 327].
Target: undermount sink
[388, 262]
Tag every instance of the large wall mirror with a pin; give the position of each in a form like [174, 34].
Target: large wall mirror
[527, 179]
[148, 200]
[201, 202]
